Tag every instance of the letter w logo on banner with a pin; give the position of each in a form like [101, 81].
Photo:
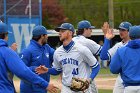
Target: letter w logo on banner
[21, 31]
[22, 34]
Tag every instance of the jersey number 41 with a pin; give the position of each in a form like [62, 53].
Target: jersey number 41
[75, 71]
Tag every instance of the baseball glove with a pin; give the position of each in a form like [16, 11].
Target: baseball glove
[79, 84]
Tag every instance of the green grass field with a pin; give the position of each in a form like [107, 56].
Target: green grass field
[102, 91]
[105, 91]
[105, 72]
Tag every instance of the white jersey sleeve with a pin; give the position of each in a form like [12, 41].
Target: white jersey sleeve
[92, 45]
[56, 64]
[113, 50]
[88, 57]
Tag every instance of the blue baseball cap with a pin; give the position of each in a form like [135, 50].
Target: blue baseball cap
[39, 30]
[3, 28]
[85, 24]
[125, 26]
[65, 26]
[134, 31]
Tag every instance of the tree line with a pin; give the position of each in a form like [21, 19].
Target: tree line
[56, 12]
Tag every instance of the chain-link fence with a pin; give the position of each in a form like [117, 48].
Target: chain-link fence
[19, 8]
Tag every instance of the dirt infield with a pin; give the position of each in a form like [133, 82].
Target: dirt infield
[105, 83]
[102, 83]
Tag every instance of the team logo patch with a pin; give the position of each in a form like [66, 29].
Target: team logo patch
[21, 56]
[38, 57]
[47, 55]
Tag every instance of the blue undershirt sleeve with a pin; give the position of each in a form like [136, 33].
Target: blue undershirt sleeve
[104, 51]
[95, 71]
[53, 71]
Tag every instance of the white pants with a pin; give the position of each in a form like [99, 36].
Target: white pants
[92, 89]
[132, 89]
[118, 88]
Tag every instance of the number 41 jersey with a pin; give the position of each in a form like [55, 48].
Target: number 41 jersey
[76, 61]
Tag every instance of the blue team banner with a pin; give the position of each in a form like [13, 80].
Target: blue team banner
[21, 30]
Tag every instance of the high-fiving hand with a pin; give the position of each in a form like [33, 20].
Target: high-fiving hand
[41, 69]
[108, 32]
[52, 89]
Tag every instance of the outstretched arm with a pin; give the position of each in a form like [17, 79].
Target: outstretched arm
[104, 55]
[104, 52]
[43, 69]
[17, 67]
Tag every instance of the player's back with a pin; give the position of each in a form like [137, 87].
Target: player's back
[130, 64]
[6, 83]
[92, 45]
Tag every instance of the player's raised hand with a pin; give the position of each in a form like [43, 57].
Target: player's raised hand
[109, 35]
[105, 27]
[41, 69]
[52, 89]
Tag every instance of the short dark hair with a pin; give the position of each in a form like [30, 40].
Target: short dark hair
[79, 31]
[3, 35]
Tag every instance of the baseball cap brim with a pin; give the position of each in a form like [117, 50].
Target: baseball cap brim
[59, 28]
[49, 32]
[92, 27]
[9, 32]
[122, 28]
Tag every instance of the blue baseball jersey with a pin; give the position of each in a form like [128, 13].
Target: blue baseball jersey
[93, 46]
[33, 56]
[126, 61]
[74, 61]
[10, 64]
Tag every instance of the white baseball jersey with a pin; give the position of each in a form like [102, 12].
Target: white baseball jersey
[76, 62]
[93, 46]
[113, 50]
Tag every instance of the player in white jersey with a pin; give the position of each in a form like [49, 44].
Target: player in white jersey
[84, 30]
[107, 54]
[73, 59]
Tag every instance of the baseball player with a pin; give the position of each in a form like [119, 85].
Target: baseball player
[126, 61]
[107, 54]
[84, 30]
[73, 59]
[37, 53]
[10, 64]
